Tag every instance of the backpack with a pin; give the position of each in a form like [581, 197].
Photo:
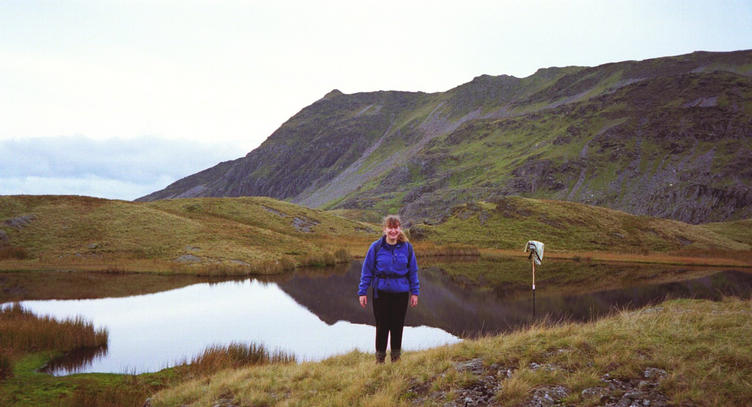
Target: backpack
[375, 256]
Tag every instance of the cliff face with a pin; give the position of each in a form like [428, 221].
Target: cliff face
[668, 137]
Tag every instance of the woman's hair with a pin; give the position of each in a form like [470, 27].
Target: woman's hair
[393, 221]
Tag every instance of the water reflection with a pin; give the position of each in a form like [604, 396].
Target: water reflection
[154, 331]
[77, 360]
[316, 314]
[467, 311]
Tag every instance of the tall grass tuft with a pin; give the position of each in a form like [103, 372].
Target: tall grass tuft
[22, 331]
[342, 256]
[235, 355]
[13, 252]
[6, 367]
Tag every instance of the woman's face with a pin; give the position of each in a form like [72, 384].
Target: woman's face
[392, 232]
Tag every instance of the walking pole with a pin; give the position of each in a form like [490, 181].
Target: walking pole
[532, 262]
[536, 254]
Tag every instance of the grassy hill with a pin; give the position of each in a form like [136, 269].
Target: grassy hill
[252, 235]
[567, 226]
[208, 235]
[683, 352]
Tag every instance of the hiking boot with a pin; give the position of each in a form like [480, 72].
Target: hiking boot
[395, 355]
[380, 357]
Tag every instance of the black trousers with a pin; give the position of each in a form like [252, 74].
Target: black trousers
[389, 310]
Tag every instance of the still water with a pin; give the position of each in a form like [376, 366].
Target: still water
[317, 315]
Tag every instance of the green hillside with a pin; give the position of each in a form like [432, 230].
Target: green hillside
[510, 222]
[207, 235]
[252, 235]
[665, 137]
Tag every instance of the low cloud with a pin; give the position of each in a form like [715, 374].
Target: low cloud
[113, 168]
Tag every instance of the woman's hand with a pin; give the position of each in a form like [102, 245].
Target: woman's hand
[413, 300]
[363, 300]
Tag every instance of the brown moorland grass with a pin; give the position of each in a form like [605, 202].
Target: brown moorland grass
[133, 390]
[207, 236]
[27, 342]
[568, 226]
[21, 332]
[235, 355]
[696, 258]
[702, 346]
[255, 235]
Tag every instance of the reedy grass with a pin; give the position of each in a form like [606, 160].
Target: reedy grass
[21, 331]
[11, 252]
[702, 345]
[28, 340]
[235, 355]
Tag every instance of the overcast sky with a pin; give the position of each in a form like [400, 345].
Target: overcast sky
[117, 99]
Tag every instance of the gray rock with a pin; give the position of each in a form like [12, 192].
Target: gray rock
[474, 366]
[93, 246]
[20, 222]
[304, 224]
[654, 373]
[546, 366]
[274, 211]
[548, 396]
[188, 258]
[598, 393]
[4, 239]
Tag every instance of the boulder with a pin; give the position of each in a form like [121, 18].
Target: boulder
[20, 222]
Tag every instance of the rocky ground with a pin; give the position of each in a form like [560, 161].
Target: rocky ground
[615, 392]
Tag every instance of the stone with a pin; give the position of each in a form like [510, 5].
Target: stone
[20, 222]
[3, 238]
[474, 366]
[304, 224]
[654, 373]
[188, 258]
[548, 396]
[274, 211]
[598, 393]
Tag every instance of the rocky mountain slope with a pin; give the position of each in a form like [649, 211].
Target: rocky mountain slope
[668, 137]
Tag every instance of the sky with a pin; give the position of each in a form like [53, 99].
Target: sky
[118, 99]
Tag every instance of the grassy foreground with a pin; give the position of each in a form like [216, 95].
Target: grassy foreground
[681, 352]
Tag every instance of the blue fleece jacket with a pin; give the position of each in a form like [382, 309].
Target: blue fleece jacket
[394, 269]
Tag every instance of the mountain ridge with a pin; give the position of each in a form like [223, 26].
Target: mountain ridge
[664, 137]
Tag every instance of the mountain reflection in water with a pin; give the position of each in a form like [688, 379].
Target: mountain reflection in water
[315, 314]
[470, 312]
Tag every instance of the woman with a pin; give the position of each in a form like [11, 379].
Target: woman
[391, 266]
